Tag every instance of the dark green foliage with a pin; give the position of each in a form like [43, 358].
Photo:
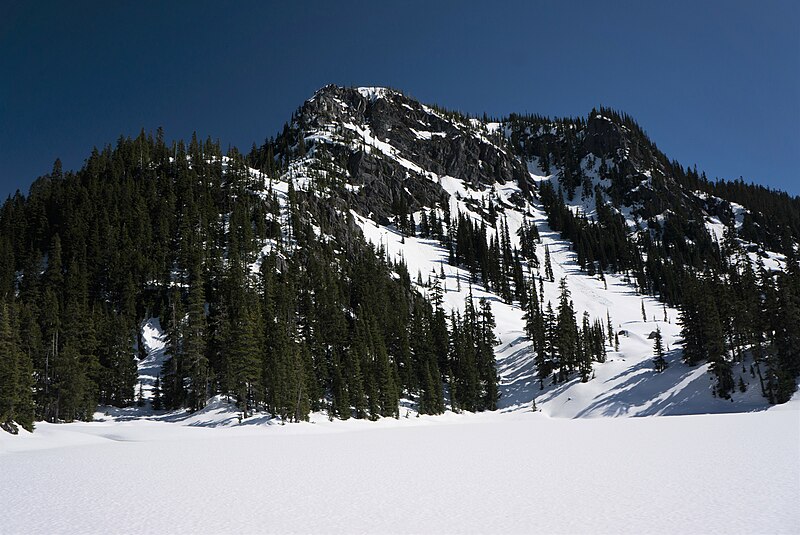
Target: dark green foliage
[157, 402]
[702, 333]
[492, 260]
[16, 375]
[658, 352]
[548, 265]
[117, 362]
[473, 378]
[146, 229]
[566, 333]
[725, 319]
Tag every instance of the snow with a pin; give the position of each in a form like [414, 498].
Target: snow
[427, 135]
[738, 214]
[154, 341]
[383, 147]
[476, 473]
[715, 228]
[373, 93]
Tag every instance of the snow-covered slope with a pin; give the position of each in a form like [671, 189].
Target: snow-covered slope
[394, 146]
[626, 385]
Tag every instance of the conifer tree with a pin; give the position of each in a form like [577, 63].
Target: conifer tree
[566, 336]
[118, 361]
[486, 341]
[545, 357]
[658, 351]
[243, 358]
[173, 388]
[548, 265]
[24, 407]
[194, 345]
[8, 368]
[585, 349]
[157, 402]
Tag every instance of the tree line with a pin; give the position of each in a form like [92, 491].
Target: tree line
[264, 297]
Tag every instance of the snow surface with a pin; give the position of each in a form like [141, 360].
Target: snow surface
[154, 341]
[521, 472]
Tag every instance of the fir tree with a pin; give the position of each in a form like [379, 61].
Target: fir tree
[548, 265]
[566, 337]
[157, 402]
[9, 369]
[658, 351]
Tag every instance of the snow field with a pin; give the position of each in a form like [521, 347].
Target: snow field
[500, 473]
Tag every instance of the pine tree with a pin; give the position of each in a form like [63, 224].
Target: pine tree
[486, 341]
[356, 394]
[585, 348]
[548, 265]
[173, 387]
[243, 357]
[545, 361]
[714, 346]
[9, 372]
[566, 336]
[658, 351]
[118, 361]
[194, 346]
[157, 402]
[784, 362]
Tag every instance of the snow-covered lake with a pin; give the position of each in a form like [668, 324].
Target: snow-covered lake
[518, 472]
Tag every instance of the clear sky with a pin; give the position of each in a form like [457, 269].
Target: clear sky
[714, 83]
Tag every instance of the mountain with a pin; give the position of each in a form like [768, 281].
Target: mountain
[380, 253]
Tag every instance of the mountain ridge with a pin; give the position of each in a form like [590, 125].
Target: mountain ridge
[466, 251]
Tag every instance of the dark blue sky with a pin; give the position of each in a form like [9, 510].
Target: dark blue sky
[714, 83]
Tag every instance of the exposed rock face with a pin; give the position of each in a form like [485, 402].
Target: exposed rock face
[638, 175]
[389, 153]
[394, 148]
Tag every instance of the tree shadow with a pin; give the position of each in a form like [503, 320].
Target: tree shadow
[678, 390]
[517, 371]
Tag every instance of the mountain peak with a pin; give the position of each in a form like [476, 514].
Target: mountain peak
[373, 93]
[369, 93]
